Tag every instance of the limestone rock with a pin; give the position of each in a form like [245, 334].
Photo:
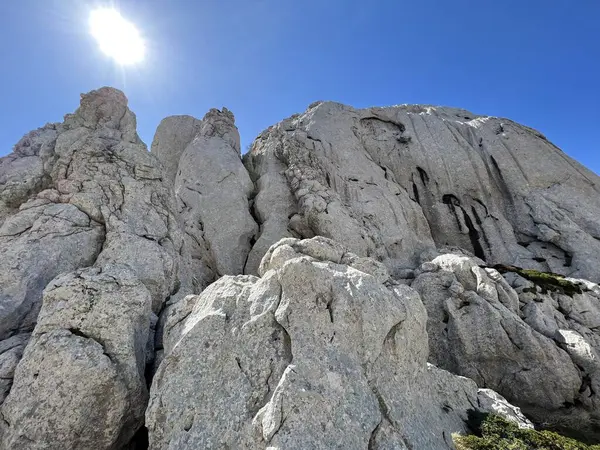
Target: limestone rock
[320, 352]
[521, 344]
[83, 193]
[391, 182]
[334, 189]
[274, 206]
[213, 191]
[373, 233]
[11, 351]
[172, 136]
[96, 193]
[495, 403]
[81, 381]
[40, 241]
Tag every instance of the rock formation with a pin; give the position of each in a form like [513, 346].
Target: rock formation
[405, 184]
[83, 194]
[393, 182]
[213, 203]
[86, 362]
[360, 279]
[517, 341]
[323, 351]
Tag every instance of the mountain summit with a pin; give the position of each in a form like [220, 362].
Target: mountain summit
[360, 279]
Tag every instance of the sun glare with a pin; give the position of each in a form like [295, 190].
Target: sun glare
[117, 37]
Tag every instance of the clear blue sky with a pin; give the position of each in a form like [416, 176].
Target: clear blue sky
[534, 61]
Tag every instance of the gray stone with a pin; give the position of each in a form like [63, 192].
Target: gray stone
[78, 194]
[495, 403]
[11, 351]
[213, 191]
[523, 345]
[330, 346]
[172, 136]
[335, 189]
[36, 245]
[390, 182]
[274, 206]
[214, 203]
[314, 354]
[81, 381]
[96, 196]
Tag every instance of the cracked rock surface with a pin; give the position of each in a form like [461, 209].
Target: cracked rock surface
[361, 279]
[213, 191]
[538, 349]
[82, 193]
[322, 351]
[393, 182]
[81, 381]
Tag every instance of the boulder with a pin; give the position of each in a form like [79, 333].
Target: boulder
[516, 342]
[323, 351]
[81, 381]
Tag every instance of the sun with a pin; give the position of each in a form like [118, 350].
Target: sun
[117, 37]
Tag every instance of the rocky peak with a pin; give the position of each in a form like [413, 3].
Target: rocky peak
[105, 109]
[172, 136]
[363, 278]
[221, 124]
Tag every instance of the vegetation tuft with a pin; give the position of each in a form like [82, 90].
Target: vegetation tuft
[492, 432]
[545, 280]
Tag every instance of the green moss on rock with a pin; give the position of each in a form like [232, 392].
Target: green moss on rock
[496, 433]
[546, 280]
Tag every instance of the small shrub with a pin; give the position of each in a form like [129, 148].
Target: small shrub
[497, 433]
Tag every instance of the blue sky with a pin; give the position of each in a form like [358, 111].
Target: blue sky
[536, 62]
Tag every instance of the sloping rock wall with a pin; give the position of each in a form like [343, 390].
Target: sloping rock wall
[125, 270]
[392, 182]
[83, 193]
[533, 343]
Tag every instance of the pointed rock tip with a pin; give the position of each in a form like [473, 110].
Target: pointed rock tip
[106, 106]
[107, 93]
[219, 114]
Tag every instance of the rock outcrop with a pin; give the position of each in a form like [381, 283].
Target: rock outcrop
[172, 136]
[81, 381]
[392, 182]
[360, 279]
[323, 351]
[518, 341]
[84, 193]
[213, 191]
[406, 183]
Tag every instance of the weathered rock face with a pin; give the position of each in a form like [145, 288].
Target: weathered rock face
[374, 233]
[391, 182]
[172, 136]
[338, 190]
[518, 341]
[83, 193]
[81, 381]
[323, 351]
[213, 191]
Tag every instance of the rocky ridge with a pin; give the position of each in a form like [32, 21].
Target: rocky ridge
[359, 279]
